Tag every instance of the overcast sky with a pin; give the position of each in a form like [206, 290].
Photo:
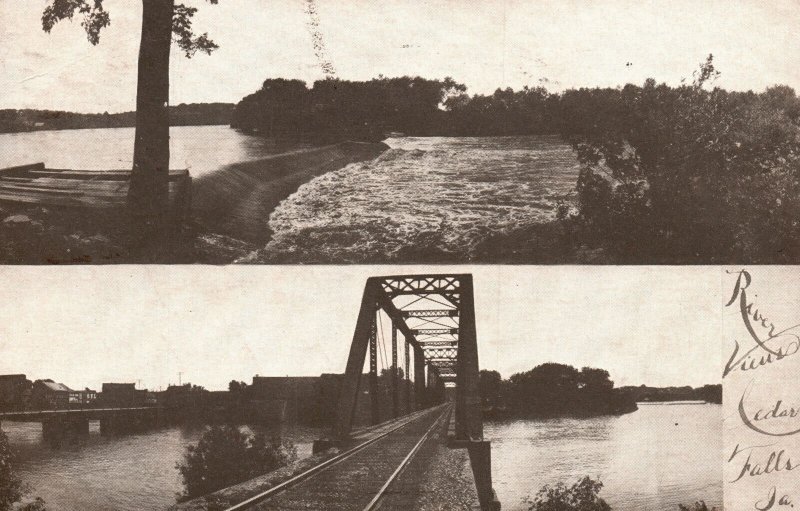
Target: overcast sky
[485, 45]
[83, 326]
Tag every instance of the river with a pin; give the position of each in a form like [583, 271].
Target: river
[441, 194]
[201, 149]
[650, 460]
[124, 473]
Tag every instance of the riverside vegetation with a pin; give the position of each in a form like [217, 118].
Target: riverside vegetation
[14, 494]
[557, 390]
[583, 495]
[226, 455]
[692, 174]
[669, 175]
[553, 390]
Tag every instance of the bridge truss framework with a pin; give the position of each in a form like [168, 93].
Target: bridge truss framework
[435, 314]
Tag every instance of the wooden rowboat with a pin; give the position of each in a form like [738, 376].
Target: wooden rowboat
[98, 189]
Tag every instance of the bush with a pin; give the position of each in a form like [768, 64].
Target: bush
[698, 506]
[687, 174]
[225, 456]
[581, 496]
[11, 489]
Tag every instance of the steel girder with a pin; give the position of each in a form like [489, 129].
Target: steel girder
[420, 308]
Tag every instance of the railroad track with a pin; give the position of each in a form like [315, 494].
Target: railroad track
[357, 479]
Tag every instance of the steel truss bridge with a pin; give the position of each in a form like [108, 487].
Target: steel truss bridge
[435, 315]
[432, 322]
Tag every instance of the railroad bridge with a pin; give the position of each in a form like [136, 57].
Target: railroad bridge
[58, 425]
[410, 461]
[424, 449]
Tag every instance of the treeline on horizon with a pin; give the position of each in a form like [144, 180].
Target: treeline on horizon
[689, 174]
[192, 114]
[555, 390]
[413, 106]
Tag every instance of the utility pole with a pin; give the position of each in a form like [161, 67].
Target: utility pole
[180, 373]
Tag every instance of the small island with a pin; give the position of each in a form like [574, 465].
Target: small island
[560, 390]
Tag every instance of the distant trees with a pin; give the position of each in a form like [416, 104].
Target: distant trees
[553, 390]
[708, 393]
[490, 385]
[225, 456]
[346, 109]
[237, 387]
[194, 114]
[550, 390]
[559, 389]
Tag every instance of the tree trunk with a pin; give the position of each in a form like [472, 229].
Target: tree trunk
[148, 196]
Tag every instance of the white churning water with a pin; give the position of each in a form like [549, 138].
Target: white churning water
[443, 193]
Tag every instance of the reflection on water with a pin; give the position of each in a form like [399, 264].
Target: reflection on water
[200, 149]
[127, 473]
[444, 192]
[649, 460]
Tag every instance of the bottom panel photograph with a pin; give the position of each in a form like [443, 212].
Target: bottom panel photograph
[361, 387]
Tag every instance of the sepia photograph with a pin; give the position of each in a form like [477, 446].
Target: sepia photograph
[408, 131]
[529, 255]
[359, 388]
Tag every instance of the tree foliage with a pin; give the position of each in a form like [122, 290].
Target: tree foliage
[557, 389]
[345, 108]
[225, 456]
[96, 18]
[688, 174]
[581, 496]
[490, 386]
[11, 488]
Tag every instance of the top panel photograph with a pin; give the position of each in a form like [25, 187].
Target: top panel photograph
[401, 131]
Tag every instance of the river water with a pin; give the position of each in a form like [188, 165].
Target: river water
[650, 460]
[432, 193]
[423, 194]
[124, 473]
[201, 149]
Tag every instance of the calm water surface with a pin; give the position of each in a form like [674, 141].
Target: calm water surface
[650, 460]
[125, 473]
[201, 149]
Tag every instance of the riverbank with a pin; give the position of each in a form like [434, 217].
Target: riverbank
[229, 219]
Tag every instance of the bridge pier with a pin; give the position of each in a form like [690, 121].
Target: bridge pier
[127, 424]
[480, 458]
[57, 430]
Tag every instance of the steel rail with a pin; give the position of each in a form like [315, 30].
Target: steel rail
[275, 490]
[376, 500]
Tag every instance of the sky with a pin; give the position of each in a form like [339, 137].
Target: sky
[86, 325]
[485, 45]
